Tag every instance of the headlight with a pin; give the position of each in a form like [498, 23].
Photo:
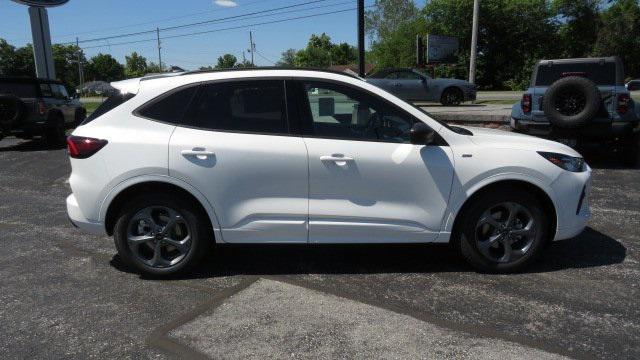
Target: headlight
[569, 163]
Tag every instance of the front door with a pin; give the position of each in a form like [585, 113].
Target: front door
[236, 150]
[367, 183]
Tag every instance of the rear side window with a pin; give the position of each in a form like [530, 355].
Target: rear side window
[256, 106]
[21, 90]
[601, 74]
[169, 108]
[111, 103]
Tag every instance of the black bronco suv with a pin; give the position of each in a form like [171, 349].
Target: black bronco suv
[31, 107]
[580, 101]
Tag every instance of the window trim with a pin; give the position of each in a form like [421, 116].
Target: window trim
[200, 84]
[306, 118]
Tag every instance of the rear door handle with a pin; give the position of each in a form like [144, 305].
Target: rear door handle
[339, 160]
[200, 154]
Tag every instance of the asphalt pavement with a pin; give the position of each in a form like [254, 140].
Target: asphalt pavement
[65, 294]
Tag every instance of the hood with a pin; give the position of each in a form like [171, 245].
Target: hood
[509, 140]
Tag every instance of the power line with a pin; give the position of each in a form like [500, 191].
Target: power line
[156, 20]
[198, 23]
[227, 28]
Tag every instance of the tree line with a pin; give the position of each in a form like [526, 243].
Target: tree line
[513, 34]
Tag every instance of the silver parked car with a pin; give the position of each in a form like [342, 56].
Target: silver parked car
[411, 84]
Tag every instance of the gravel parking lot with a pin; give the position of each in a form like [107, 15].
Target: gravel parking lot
[64, 294]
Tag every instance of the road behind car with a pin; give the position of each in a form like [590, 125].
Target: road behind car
[64, 294]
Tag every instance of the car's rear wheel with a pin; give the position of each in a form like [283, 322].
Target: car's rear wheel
[451, 97]
[161, 235]
[503, 231]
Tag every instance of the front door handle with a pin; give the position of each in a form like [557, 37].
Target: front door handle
[339, 160]
[200, 154]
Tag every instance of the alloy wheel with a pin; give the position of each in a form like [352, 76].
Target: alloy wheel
[505, 232]
[159, 236]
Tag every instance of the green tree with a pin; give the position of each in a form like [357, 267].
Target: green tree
[226, 61]
[135, 65]
[321, 52]
[65, 59]
[104, 67]
[397, 48]
[244, 64]
[387, 16]
[620, 35]
[153, 68]
[288, 58]
[579, 24]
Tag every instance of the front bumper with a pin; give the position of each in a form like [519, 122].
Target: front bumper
[78, 220]
[572, 193]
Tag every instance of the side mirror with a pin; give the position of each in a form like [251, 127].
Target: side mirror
[423, 79]
[421, 134]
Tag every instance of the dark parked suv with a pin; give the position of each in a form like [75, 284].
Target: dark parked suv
[31, 107]
[580, 101]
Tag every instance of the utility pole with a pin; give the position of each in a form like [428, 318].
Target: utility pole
[159, 47]
[474, 42]
[361, 69]
[80, 70]
[252, 47]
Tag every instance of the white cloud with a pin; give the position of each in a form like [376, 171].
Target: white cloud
[225, 3]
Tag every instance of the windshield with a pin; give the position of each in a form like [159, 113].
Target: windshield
[19, 89]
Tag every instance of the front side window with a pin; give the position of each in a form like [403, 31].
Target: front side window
[256, 106]
[45, 90]
[407, 75]
[342, 112]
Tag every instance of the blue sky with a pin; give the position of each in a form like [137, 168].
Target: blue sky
[90, 19]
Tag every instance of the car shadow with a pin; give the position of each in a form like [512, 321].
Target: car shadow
[38, 144]
[589, 249]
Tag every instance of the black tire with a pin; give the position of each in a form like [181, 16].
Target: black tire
[630, 150]
[12, 110]
[451, 96]
[468, 233]
[196, 224]
[571, 102]
[54, 134]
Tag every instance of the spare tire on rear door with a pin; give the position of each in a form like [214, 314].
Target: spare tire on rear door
[11, 110]
[571, 102]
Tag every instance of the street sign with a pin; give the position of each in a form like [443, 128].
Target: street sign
[441, 49]
[41, 3]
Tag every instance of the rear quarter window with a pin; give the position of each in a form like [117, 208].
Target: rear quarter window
[600, 74]
[170, 107]
[111, 103]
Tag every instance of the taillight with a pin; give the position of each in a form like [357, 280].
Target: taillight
[526, 103]
[42, 108]
[623, 103]
[81, 147]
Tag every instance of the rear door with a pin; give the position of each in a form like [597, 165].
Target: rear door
[236, 148]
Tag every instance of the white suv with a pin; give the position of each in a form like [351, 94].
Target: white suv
[178, 162]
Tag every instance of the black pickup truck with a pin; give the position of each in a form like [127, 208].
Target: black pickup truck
[37, 107]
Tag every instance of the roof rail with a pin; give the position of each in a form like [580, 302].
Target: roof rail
[269, 68]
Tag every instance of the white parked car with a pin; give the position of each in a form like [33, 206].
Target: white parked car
[175, 163]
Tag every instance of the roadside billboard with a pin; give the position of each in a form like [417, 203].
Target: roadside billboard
[441, 49]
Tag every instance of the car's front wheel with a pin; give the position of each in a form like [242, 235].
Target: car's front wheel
[503, 230]
[451, 97]
[161, 235]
